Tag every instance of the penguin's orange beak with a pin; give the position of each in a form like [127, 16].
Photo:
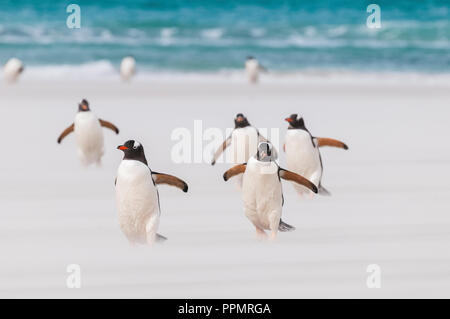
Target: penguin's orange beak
[122, 148]
[288, 119]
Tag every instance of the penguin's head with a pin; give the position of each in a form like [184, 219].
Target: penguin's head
[294, 122]
[240, 121]
[83, 106]
[250, 58]
[264, 153]
[133, 150]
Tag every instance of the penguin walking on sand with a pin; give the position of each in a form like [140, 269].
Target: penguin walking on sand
[88, 133]
[303, 155]
[244, 140]
[12, 70]
[137, 195]
[127, 68]
[252, 68]
[262, 192]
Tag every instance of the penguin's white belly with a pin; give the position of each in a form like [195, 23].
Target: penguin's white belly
[137, 201]
[89, 136]
[244, 144]
[127, 68]
[262, 194]
[12, 70]
[252, 69]
[303, 157]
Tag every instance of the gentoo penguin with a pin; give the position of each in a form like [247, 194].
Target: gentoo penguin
[88, 133]
[303, 155]
[244, 140]
[12, 70]
[261, 190]
[127, 68]
[137, 195]
[252, 67]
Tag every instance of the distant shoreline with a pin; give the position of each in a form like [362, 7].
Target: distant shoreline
[104, 71]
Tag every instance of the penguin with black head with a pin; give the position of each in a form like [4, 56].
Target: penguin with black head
[303, 155]
[88, 132]
[137, 195]
[262, 192]
[244, 140]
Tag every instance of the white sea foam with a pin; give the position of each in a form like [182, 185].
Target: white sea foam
[257, 32]
[215, 33]
[102, 69]
[106, 71]
[393, 35]
[168, 32]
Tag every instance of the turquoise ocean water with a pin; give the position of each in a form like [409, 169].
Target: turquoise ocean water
[209, 36]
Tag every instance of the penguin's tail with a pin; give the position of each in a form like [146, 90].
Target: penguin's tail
[283, 227]
[323, 191]
[160, 238]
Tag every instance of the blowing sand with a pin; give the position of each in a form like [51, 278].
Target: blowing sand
[390, 203]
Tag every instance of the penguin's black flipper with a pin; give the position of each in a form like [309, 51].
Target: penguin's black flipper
[221, 149]
[167, 179]
[160, 238]
[235, 170]
[283, 227]
[293, 177]
[324, 141]
[66, 132]
[109, 125]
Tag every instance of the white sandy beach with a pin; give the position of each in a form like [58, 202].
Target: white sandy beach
[390, 203]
